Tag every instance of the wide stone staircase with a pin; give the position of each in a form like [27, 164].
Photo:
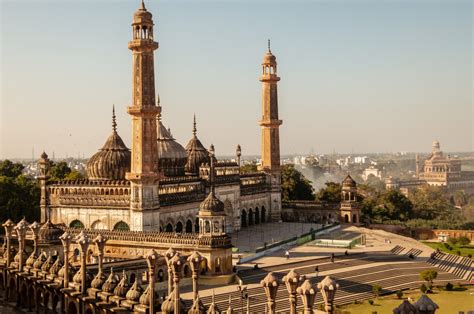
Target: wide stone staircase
[460, 266]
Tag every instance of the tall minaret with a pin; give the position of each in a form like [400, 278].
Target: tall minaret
[270, 130]
[143, 175]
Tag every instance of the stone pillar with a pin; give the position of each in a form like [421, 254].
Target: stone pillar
[270, 285]
[308, 295]
[152, 260]
[195, 260]
[328, 287]
[35, 227]
[100, 241]
[8, 225]
[176, 263]
[66, 239]
[168, 256]
[20, 229]
[83, 241]
[292, 281]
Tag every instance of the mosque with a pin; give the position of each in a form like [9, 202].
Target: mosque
[158, 184]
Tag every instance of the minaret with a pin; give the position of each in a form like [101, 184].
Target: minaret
[44, 165]
[270, 130]
[143, 175]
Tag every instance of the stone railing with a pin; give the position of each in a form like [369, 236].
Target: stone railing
[163, 238]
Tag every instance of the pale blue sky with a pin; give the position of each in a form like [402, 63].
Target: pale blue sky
[363, 76]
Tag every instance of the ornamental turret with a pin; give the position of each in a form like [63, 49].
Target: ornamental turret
[44, 165]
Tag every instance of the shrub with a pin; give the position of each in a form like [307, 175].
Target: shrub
[458, 252]
[376, 289]
[449, 286]
[423, 288]
[447, 246]
[371, 302]
[429, 275]
[469, 255]
[356, 302]
[463, 241]
[399, 294]
[452, 241]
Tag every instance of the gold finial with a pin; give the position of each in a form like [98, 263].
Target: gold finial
[194, 125]
[269, 50]
[143, 5]
[114, 123]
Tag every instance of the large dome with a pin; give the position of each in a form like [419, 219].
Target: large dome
[171, 155]
[197, 154]
[113, 159]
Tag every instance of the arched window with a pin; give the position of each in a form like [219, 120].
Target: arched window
[251, 217]
[189, 226]
[179, 227]
[169, 228]
[257, 216]
[243, 218]
[122, 226]
[207, 227]
[99, 225]
[196, 225]
[76, 224]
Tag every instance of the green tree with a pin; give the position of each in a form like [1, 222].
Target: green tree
[294, 185]
[331, 193]
[74, 175]
[59, 171]
[376, 289]
[10, 169]
[460, 198]
[248, 168]
[429, 276]
[19, 195]
[394, 205]
[429, 202]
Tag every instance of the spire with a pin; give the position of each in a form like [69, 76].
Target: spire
[211, 168]
[143, 5]
[158, 116]
[269, 50]
[114, 123]
[194, 125]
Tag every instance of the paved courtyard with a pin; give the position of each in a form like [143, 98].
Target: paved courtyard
[250, 238]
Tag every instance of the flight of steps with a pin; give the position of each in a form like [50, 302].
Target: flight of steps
[461, 267]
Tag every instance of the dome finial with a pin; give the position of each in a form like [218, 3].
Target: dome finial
[211, 167]
[194, 125]
[269, 50]
[114, 123]
[143, 5]
[158, 116]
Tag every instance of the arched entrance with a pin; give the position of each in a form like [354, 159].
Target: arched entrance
[354, 218]
[251, 221]
[189, 226]
[346, 218]
[243, 218]
[257, 216]
[169, 227]
[76, 224]
[179, 227]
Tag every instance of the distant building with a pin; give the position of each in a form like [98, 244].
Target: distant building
[437, 170]
[371, 171]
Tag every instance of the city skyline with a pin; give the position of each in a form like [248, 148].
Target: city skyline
[335, 66]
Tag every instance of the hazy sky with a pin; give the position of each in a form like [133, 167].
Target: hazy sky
[362, 76]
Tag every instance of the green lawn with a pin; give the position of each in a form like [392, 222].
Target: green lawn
[464, 250]
[449, 302]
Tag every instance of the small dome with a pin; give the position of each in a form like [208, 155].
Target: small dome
[269, 58]
[212, 204]
[112, 161]
[348, 182]
[142, 15]
[111, 282]
[172, 157]
[122, 287]
[197, 154]
[49, 232]
[135, 292]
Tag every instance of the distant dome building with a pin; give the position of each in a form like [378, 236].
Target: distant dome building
[113, 159]
[172, 157]
[197, 154]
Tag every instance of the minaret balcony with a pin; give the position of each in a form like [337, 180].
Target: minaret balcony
[270, 123]
[269, 78]
[143, 44]
[143, 110]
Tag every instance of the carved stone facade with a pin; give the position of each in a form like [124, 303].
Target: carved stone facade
[163, 184]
